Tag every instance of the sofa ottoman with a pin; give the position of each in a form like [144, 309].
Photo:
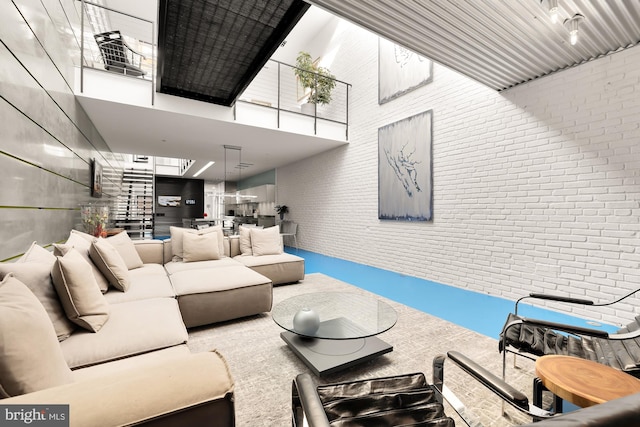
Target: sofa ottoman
[210, 295]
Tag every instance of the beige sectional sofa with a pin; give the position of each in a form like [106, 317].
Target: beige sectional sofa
[136, 364]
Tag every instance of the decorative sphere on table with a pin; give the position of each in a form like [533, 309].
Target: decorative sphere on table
[306, 322]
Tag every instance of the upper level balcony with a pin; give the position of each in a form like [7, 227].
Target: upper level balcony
[117, 81]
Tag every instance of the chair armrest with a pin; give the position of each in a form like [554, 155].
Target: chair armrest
[125, 44]
[557, 298]
[489, 380]
[615, 413]
[561, 299]
[196, 389]
[306, 401]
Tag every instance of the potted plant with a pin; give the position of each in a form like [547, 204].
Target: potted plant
[282, 209]
[318, 80]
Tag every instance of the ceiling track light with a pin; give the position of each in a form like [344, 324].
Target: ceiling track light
[572, 24]
[553, 10]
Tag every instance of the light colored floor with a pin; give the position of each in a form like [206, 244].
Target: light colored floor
[264, 367]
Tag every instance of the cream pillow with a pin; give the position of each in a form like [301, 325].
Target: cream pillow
[88, 237]
[36, 253]
[82, 245]
[245, 240]
[110, 263]
[78, 291]
[127, 250]
[266, 242]
[34, 270]
[177, 239]
[200, 247]
[30, 357]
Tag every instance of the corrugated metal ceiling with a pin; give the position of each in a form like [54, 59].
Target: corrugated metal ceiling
[500, 43]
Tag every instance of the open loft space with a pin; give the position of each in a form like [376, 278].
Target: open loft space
[215, 211]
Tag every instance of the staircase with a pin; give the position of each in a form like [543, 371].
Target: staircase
[134, 205]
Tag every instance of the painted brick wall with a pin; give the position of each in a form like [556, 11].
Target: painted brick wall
[535, 189]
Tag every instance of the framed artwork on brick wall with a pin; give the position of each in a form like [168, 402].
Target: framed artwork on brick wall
[405, 177]
[400, 71]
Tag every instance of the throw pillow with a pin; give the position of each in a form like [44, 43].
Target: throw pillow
[34, 270]
[36, 253]
[78, 291]
[200, 247]
[88, 237]
[266, 242]
[30, 356]
[110, 263]
[177, 238]
[245, 240]
[82, 245]
[127, 250]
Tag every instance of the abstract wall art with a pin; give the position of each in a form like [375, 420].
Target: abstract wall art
[400, 71]
[405, 180]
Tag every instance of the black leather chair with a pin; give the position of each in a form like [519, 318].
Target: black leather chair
[118, 57]
[408, 400]
[531, 338]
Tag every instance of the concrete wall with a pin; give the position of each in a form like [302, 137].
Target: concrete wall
[47, 141]
[535, 189]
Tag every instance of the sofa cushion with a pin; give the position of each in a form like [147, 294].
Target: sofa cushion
[34, 270]
[200, 247]
[30, 357]
[110, 263]
[142, 361]
[266, 241]
[127, 250]
[134, 327]
[78, 291]
[88, 237]
[245, 240]
[199, 281]
[283, 268]
[177, 266]
[148, 281]
[177, 239]
[212, 295]
[36, 253]
[82, 245]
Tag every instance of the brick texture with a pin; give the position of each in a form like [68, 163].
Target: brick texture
[535, 189]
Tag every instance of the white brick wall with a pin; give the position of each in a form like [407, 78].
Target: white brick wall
[535, 189]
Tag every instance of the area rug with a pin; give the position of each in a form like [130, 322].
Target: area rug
[263, 367]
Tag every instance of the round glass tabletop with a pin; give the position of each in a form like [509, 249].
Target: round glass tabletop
[334, 315]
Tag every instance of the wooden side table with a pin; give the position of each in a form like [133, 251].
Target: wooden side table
[583, 382]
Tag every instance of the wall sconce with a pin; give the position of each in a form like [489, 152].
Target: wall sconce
[572, 25]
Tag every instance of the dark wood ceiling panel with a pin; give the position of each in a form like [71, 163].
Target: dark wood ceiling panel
[210, 50]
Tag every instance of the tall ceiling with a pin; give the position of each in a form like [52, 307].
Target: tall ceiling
[210, 50]
[500, 43]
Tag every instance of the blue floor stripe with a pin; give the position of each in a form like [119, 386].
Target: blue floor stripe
[479, 312]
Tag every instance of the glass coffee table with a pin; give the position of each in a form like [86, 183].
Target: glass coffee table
[331, 331]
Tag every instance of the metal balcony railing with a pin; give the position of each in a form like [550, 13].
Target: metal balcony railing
[117, 42]
[276, 86]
